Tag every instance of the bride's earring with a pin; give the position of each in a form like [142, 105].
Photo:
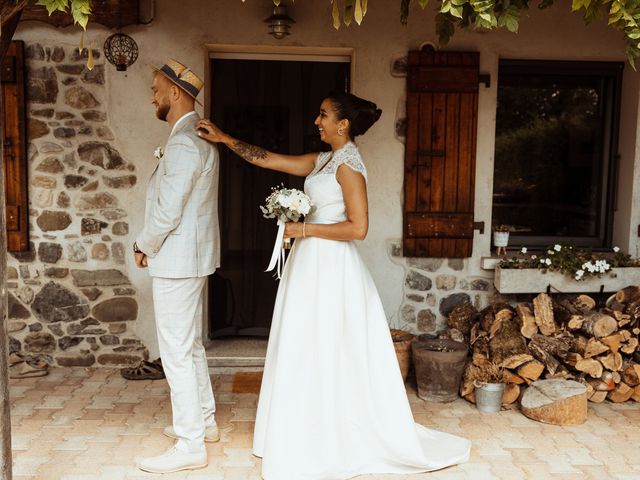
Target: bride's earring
[341, 131]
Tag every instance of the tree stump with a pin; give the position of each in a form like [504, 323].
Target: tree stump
[556, 401]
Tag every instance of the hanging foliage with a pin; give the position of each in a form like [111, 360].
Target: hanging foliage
[80, 10]
[623, 15]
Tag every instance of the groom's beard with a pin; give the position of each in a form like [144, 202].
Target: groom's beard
[162, 111]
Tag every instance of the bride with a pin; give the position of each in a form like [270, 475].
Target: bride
[332, 403]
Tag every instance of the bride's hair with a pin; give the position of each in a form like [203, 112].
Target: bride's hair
[361, 113]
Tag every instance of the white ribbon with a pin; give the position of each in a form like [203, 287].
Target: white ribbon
[277, 256]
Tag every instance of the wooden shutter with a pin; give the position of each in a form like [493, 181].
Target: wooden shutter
[14, 147]
[442, 110]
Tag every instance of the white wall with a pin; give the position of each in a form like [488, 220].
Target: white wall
[181, 29]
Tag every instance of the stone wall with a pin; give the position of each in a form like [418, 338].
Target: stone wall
[70, 300]
[435, 286]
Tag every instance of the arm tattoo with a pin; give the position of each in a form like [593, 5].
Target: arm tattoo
[250, 153]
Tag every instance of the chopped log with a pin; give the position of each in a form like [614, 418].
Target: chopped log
[514, 361]
[506, 342]
[488, 315]
[549, 360]
[625, 335]
[604, 384]
[623, 319]
[613, 342]
[557, 346]
[575, 322]
[583, 303]
[628, 294]
[531, 371]
[612, 362]
[599, 325]
[591, 366]
[617, 378]
[501, 316]
[557, 401]
[598, 397]
[630, 346]
[543, 311]
[594, 347]
[462, 318]
[631, 375]
[510, 377]
[572, 358]
[511, 393]
[636, 393]
[621, 393]
[526, 321]
[481, 346]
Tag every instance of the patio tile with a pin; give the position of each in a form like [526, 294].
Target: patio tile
[91, 424]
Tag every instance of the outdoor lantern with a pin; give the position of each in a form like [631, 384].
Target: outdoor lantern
[121, 50]
[279, 22]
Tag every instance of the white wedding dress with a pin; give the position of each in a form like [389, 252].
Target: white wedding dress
[332, 403]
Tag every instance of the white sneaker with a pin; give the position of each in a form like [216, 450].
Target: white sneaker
[173, 460]
[211, 434]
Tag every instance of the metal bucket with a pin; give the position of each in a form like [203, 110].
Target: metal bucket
[489, 396]
[439, 365]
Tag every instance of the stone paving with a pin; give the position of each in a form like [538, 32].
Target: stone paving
[90, 424]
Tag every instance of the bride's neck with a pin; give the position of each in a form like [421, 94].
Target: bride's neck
[339, 143]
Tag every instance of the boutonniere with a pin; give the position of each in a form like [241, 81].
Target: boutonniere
[158, 153]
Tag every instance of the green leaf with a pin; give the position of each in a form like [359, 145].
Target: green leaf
[335, 13]
[404, 11]
[348, 12]
[358, 12]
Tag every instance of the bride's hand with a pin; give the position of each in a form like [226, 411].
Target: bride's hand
[293, 230]
[209, 131]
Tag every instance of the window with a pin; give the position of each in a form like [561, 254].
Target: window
[556, 146]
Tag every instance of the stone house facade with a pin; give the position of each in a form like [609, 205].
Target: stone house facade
[76, 295]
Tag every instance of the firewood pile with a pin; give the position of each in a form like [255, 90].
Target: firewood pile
[566, 338]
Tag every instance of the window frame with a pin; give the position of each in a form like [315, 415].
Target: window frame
[610, 73]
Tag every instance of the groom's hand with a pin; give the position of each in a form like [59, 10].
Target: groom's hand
[141, 260]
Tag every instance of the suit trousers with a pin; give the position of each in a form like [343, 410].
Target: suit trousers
[178, 304]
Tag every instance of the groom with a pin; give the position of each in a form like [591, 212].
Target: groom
[180, 243]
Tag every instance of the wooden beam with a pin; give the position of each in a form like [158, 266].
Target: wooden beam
[10, 20]
[5, 404]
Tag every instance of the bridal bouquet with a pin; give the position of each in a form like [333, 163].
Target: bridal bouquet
[287, 205]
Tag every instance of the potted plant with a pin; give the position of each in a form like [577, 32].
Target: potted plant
[439, 364]
[489, 389]
[567, 269]
[402, 345]
[501, 238]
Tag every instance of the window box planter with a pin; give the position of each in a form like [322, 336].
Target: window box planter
[533, 280]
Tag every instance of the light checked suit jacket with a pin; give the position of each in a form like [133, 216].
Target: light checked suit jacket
[181, 235]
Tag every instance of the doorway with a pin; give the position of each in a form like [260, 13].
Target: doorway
[270, 101]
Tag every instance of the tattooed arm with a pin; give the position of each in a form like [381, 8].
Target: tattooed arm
[299, 165]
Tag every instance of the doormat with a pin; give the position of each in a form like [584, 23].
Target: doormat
[246, 382]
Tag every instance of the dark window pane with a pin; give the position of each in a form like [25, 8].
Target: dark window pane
[551, 159]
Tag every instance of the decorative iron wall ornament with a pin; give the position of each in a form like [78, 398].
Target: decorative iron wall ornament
[121, 50]
[279, 22]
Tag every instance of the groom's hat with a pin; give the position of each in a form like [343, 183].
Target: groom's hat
[182, 76]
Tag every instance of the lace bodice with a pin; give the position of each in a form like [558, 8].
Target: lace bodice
[323, 188]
